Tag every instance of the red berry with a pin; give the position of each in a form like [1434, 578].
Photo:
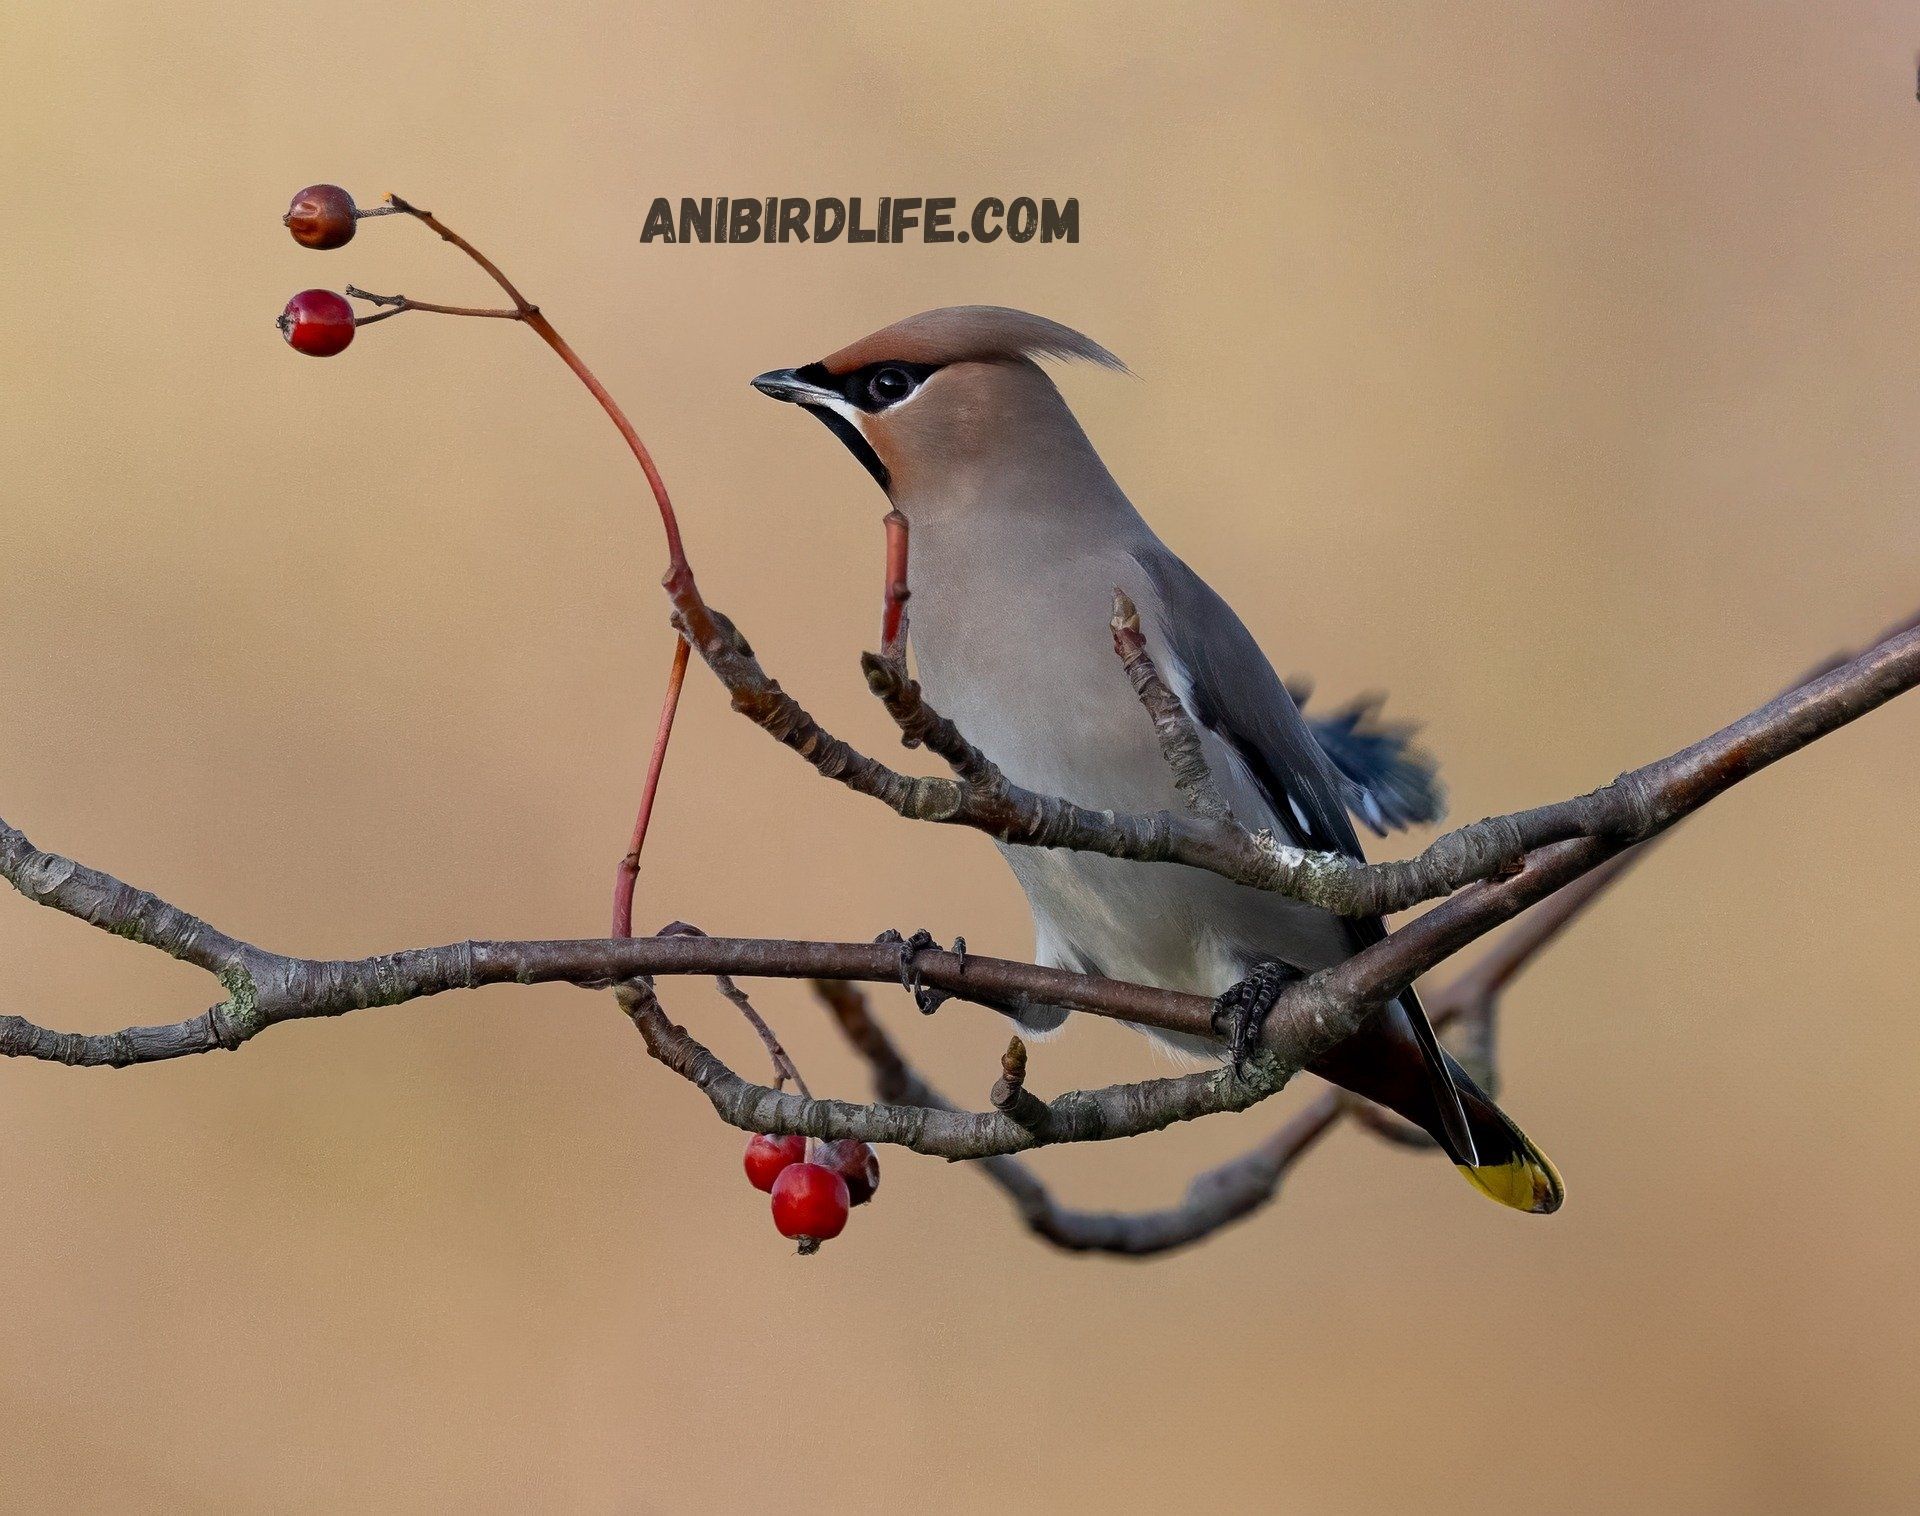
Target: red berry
[321, 216]
[854, 1161]
[809, 1204]
[768, 1155]
[318, 323]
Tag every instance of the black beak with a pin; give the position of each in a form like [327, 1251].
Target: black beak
[786, 384]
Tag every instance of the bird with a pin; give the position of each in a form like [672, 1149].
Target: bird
[1020, 539]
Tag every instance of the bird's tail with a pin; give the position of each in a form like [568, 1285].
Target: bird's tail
[1389, 1063]
[1510, 1169]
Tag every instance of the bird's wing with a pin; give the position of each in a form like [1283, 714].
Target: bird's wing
[1232, 690]
[1386, 780]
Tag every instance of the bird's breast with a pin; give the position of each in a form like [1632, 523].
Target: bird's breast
[1024, 664]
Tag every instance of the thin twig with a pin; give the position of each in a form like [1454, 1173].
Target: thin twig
[400, 304]
[628, 874]
[1180, 742]
[893, 614]
[678, 569]
[784, 1068]
[679, 576]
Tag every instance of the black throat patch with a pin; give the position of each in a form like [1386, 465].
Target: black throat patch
[848, 433]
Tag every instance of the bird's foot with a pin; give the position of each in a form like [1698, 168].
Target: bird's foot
[925, 996]
[1240, 1012]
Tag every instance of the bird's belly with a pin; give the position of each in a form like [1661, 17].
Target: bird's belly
[1165, 924]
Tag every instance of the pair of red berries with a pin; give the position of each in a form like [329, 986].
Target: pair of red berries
[812, 1192]
[319, 323]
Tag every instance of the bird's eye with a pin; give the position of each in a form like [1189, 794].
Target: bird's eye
[889, 384]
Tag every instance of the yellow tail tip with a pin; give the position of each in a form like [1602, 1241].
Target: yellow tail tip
[1527, 1182]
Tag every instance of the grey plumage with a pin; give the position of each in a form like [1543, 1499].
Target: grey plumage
[1020, 536]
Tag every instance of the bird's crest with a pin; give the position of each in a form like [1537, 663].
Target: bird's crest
[970, 334]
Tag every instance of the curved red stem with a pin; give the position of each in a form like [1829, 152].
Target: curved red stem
[679, 575]
[629, 871]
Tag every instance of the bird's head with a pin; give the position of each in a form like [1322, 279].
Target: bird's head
[937, 405]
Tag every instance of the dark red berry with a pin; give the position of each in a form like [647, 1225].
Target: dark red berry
[854, 1161]
[809, 1204]
[321, 216]
[318, 323]
[768, 1155]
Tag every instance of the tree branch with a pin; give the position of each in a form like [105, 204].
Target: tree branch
[1097, 1115]
[1215, 1198]
[1311, 1017]
[1639, 804]
[266, 988]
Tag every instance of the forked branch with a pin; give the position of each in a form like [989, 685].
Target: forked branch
[1639, 804]
[1312, 1016]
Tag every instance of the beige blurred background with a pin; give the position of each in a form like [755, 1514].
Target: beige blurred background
[1551, 367]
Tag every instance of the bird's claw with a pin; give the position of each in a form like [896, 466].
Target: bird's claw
[924, 995]
[1240, 1012]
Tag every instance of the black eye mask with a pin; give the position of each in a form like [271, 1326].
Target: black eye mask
[871, 389]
